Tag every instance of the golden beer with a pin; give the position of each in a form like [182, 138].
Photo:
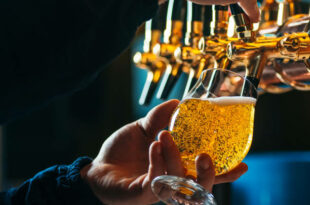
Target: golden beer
[221, 127]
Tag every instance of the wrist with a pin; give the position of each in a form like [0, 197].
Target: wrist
[84, 173]
[88, 176]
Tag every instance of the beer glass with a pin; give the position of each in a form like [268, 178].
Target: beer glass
[216, 117]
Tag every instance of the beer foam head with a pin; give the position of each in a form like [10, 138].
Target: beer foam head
[232, 100]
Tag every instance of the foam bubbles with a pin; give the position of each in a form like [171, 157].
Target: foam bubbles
[232, 100]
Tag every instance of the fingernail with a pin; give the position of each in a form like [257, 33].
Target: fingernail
[167, 141]
[245, 170]
[205, 164]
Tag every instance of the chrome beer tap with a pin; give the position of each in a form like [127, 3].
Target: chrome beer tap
[172, 40]
[154, 64]
[288, 18]
[269, 17]
[189, 55]
[254, 52]
[274, 13]
[215, 45]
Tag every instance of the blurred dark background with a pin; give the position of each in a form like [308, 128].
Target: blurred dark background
[68, 127]
[77, 125]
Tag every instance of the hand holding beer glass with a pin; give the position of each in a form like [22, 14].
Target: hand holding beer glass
[216, 117]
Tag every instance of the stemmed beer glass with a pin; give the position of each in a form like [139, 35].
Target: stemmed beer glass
[215, 117]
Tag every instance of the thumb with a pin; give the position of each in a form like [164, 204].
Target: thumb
[250, 7]
[205, 171]
[158, 118]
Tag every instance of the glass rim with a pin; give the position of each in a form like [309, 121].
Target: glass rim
[229, 71]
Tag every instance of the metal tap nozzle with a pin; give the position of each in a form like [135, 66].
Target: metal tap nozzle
[172, 40]
[244, 28]
[154, 64]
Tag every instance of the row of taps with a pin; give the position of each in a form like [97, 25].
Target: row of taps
[273, 54]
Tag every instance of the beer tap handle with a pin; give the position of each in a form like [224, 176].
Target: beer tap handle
[148, 89]
[153, 29]
[196, 12]
[172, 36]
[177, 10]
[174, 21]
[170, 78]
[148, 60]
[244, 27]
[235, 9]
[219, 23]
[207, 17]
[195, 17]
[191, 81]
[194, 25]
[159, 20]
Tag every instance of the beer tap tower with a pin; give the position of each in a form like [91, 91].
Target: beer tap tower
[154, 64]
[274, 58]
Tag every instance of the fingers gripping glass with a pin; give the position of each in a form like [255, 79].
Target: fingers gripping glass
[216, 117]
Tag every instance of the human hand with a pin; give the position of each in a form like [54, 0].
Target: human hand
[249, 6]
[131, 158]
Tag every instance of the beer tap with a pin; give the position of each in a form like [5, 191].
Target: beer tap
[269, 11]
[276, 15]
[155, 65]
[286, 9]
[269, 15]
[250, 52]
[278, 19]
[256, 52]
[189, 54]
[172, 40]
[215, 45]
[255, 55]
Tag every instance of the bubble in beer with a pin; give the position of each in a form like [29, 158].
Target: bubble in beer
[221, 127]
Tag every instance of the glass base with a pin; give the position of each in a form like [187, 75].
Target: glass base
[180, 191]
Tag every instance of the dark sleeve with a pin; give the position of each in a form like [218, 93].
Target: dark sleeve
[58, 185]
[52, 48]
